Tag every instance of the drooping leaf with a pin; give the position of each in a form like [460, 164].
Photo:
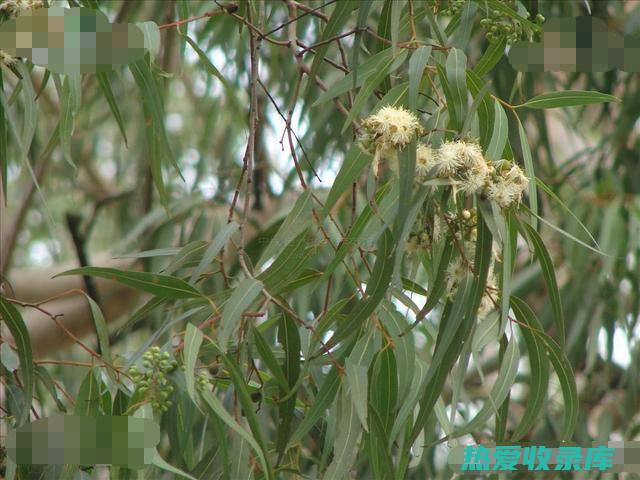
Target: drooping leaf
[499, 135]
[455, 73]
[345, 446]
[289, 338]
[539, 377]
[561, 365]
[20, 334]
[192, 341]
[549, 275]
[107, 91]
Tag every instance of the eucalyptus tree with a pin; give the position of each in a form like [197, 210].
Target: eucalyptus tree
[320, 239]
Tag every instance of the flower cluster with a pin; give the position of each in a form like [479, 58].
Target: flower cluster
[464, 165]
[13, 8]
[152, 382]
[388, 131]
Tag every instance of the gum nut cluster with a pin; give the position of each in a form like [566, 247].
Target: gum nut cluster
[460, 267]
[389, 130]
[463, 163]
[202, 380]
[152, 382]
[453, 7]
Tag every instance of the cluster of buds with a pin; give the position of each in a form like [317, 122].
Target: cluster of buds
[452, 7]
[498, 24]
[426, 232]
[464, 165]
[388, 131]
[461, 266]
[203, 381]
[152, 382]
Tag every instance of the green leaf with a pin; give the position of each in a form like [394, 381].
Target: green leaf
[156, 134]
[88, 400]
[159, 462]
[491, 57]
[204, 58]
[105, 86]
[377, 287]
[20, 334]
[357, 367]
[345, 445]
[243, 296]
[240, 386]
[102, 332]
[4, 139]
[163, 286]
[548, 273]
[561, 365]
[338, 18]
[353, 165]
[455, 73]
[528, 166]
[321, 402]
[539, 376]
[499, 392]
[296, 222]
[485, 109]
[478, 100]
[192, 341]
[265, 352]
[218, 409]
[500, 132]
[49, 384]
[289, 338]
[404, 347]
[30, 113]
[417, 64]
[70, 99]
[568, 98]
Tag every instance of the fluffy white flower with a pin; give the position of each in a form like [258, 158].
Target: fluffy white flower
[471, 154]
[15, 7]
[392, 127]
[508, 187]
[449, 158]
[425, 161]
[474, 178]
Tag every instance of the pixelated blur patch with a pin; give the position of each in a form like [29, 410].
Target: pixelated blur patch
[577, 44]
[76, 40]
[80, 440]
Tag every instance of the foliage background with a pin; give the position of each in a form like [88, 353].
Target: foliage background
[233, 105]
